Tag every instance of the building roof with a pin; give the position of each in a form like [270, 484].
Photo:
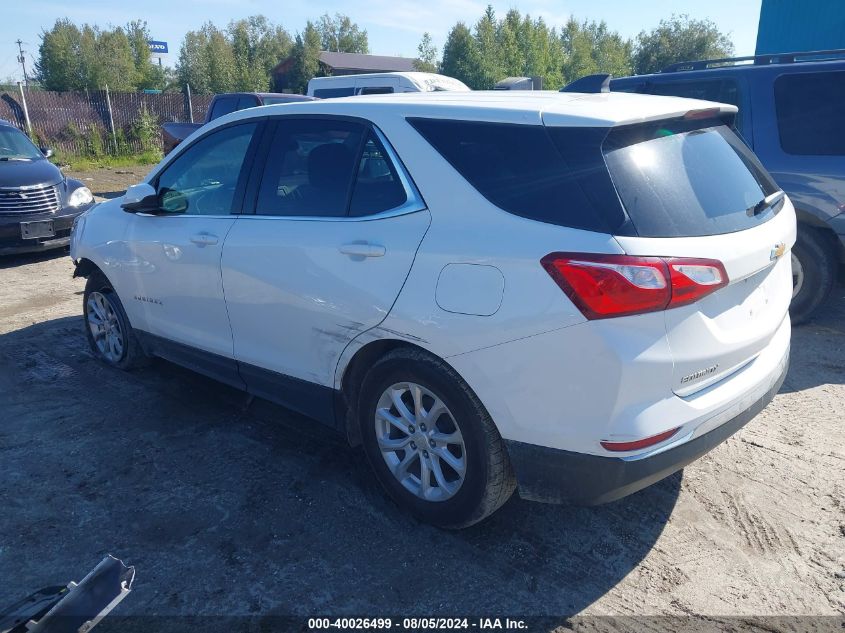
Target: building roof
[359, 61]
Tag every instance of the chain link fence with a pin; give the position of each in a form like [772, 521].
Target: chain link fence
[98, 123]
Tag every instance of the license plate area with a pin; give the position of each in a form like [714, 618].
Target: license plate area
[41, 228]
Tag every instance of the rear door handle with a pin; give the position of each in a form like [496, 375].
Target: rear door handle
[204, 239]
[364, 249]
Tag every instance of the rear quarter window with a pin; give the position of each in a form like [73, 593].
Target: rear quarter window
[810, 113]
[520, 170]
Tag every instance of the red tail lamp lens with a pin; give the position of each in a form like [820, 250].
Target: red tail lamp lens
[606, 286]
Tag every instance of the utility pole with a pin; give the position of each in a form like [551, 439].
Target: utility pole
[22, 61]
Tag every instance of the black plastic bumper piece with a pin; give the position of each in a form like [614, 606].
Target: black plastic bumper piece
[552, 475]
[11, 242]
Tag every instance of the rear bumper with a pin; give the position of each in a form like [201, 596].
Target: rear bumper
[557, 476]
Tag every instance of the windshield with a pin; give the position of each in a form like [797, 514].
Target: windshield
[14, 145]
[677, 181]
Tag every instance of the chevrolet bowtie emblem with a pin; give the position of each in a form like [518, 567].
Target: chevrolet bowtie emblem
[777, 251]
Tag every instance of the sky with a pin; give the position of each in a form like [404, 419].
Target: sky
[394, 26]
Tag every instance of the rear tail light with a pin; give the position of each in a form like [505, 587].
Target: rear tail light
[605, 286]
[638, 444]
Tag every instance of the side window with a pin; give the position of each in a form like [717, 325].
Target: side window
[519, 169]
[617, 85]
[203, 179]
[328, 93]
[377, 187]
[223, 105]
[810, 113]
[310, 167]
[377, 90]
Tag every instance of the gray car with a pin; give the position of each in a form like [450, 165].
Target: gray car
[791, 113]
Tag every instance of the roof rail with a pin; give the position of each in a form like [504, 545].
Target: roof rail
[769, 58]
[589, 83]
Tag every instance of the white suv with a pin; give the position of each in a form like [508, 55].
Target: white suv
[574, 295]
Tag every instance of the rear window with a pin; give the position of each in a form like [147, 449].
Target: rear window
[686, 179]
[810, 112]
[519, 169]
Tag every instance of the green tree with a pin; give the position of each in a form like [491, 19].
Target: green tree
[460, 56]
[115, 66]
[678, 39]
[490, 65]
[192, 66]
[74, 58]
[207, 61]
[590, 48]
[341, 34]
[148, 75]
[511, 53]
[306, 59]
[221, 62]
[257, 46]
[426, 55]
[58, 66]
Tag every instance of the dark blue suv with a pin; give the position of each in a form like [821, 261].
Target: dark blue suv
[792, 114]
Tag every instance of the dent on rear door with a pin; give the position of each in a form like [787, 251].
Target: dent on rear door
[297, 294]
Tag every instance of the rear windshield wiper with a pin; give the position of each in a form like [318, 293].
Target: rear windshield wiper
[766, 203]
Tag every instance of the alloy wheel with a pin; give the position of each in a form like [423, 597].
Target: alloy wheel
[420, 441]
[105, 327]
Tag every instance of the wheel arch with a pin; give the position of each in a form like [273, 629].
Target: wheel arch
[811, 220]
[352, 375]
[85, 267]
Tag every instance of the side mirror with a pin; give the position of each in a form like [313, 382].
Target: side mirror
[141, 198]
[48, 152]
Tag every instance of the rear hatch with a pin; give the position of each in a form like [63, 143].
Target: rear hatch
[692, 189]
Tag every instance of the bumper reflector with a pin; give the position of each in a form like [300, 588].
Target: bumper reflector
[638, 444]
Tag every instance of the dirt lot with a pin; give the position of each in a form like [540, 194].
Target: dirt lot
[110, 182]
[259, 511]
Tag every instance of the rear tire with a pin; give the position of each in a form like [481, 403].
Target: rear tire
[813, 272]
[460, 433]
[110, 336]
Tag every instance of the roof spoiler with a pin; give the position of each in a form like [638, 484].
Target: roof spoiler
[590, 83]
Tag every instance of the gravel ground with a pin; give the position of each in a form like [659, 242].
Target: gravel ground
[110, 182]
[227, 510]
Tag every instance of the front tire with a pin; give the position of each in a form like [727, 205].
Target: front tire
[110, 336]
[814, 268]
[430, 441]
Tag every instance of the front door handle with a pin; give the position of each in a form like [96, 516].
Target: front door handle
[363, 249]
[204, 239]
